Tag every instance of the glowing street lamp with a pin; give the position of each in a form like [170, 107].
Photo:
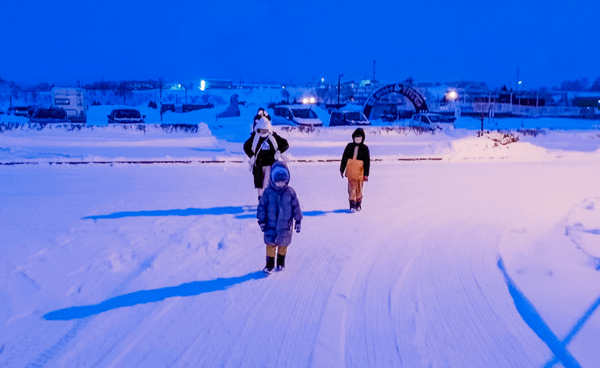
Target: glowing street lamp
[312, 100]
[202, 85]
[452, 95]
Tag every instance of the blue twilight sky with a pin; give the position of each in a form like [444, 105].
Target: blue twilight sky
[283, 40]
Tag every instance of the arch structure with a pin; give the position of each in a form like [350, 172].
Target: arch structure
[415, 97]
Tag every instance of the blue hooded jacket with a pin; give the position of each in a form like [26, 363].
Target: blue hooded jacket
[278, 207]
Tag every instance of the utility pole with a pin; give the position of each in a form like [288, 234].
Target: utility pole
[373, 81]
[160, 96]
[339, 86]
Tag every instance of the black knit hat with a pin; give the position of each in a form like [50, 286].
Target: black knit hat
[359, 133]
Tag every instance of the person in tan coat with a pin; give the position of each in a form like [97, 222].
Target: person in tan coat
[356, 162]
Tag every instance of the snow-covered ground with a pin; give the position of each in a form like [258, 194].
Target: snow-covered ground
[468, 252]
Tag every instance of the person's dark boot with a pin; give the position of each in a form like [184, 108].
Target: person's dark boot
[270, 265]
[352, 205]
[280, 263]
[358, 205]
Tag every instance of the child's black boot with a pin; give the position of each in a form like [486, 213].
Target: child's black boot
[352, 206]
[270, 265]
[280, 263]
[358, 205]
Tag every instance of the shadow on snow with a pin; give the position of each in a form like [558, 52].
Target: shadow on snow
[241, 212]
[150, 296]
[535, 321]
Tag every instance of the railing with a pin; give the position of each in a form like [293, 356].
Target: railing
[546, 110]
[532, 111]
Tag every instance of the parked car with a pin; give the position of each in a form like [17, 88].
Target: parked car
[430, 120]
[49, 115]
[126, 116]
[348, 118]
[18, 111]
[302, 115]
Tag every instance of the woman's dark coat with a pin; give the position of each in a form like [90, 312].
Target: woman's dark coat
[264, 157]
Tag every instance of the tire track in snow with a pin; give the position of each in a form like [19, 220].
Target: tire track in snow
[460, 307]
[372, 299]
[330, 347]
[132, 344]
[443, 295]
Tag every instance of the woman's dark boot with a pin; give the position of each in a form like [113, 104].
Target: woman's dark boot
[270, 265]
[280, 263]
[352, 205]
[358, 205]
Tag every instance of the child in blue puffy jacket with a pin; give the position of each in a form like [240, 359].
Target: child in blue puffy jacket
[277, 210]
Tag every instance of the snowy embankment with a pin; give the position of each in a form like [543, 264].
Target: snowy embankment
[200, 136]
[222, 142]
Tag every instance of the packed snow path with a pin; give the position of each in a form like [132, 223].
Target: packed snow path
[159, 266]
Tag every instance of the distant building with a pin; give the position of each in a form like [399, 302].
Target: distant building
[173, 86]
[143, 85]
[257, 86]
[215, 84]
[227, 84]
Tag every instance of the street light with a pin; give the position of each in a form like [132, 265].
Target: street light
[452, 95]
[339, 84]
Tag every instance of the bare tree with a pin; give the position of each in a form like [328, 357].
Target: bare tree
[124, 90]
[596, 85]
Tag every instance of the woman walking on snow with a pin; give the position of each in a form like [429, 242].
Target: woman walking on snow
[262, 148]
[356, 162]
[276, 212]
